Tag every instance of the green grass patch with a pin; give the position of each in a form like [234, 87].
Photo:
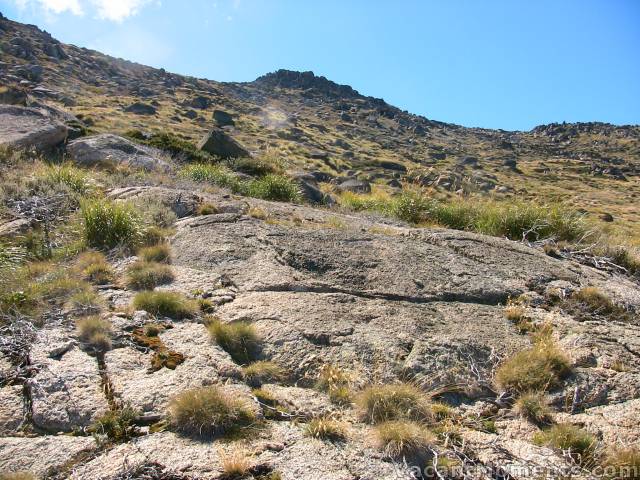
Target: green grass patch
[166, 304]
[144, 275]
[580, 444]
[110, 224]
[403, 401]
[238, 339]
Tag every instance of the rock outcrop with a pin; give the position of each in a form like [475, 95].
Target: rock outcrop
[220, 144]
[22, 127]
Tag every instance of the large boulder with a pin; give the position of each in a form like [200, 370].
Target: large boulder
[354, 185]
[112, 150]
[23, 127]
[222, 118]
[218, 143]
[140, 108]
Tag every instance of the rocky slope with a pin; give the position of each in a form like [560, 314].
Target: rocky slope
[317, 125]
[341, 303]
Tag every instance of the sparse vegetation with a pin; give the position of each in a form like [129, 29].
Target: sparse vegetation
[86, 302]
[109, 224]
[235, 465]
[335, 382]
[534, 407]
[17, 476]
[148, 275]
[274, 187]
[207, 209]
[166, 304]
[95, 268]
[178, 148]
[403, 438]
[263, 371]
[403, 401]
[238, 339]
[622, 463]
[566, 437]
[325, 429]
[208, 411]
[95, 332]
[541, 367]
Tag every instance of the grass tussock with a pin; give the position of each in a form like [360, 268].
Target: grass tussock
[578, 443]
[401, 438]
[336, 383]
[110, 224]
[95, 332]
[208, 412]
[17, 476]
[143, 275]
[155, 235]
[86, 302]
[68, 175]
[539, 368]
[166, 304]
[325, 429]
[534, 407]
[263, 371]
[403, 401]
[236, 465]
[622, 463]
[590, 303]
[160, 253]
[95, 268]
[207, 209]
[239, 339]
[117, 426]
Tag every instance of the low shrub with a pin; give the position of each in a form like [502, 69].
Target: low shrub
[147, 275]
[109, 224]
[578, 443]
[539, 368]
[325, 429]
[167, 304]
[208, 411]
[117, 426]
[95, 332]
[534, 407]
[263, 371]
[403, 439]
[157, 253]
[239, 339]
[403, 401]
[274, 187]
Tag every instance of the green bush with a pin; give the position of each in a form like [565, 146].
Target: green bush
[257, 167]
[166, 304]
[274, 187]
[66, 174]
[109, 224]
[208, 411]
[238, 339]
[117, 425]
[148, 275]
[215, 174]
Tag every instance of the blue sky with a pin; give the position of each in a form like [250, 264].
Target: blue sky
[509, 64]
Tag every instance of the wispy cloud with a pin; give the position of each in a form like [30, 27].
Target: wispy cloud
[114, 10]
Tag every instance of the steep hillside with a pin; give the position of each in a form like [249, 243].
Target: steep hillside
[314, 124]
[286, 280]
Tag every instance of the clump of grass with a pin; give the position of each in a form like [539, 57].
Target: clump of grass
[207, 209]
[208, 411]
[155, 235]
[403, 401]
[160, 253]
[274, 187]
[263, 371]
[148, 275]
[514, 313]
[166, 304]
[257, 212]
[67, 174]
[541, 367]
[109, 224]
[272, 409]
[335, 382]
[257, 167]
[326, 429]
[86, 302]
[95, 332]
[239, 339]
[179, 148]
[622, 463]
[589, 302]
[403, 439]
[215, 174]
[534, 407]
[578, 443]
[95, 268]
[117, 425]
[235, 465]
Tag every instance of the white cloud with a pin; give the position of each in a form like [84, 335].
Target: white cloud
[114, 10]
[118, 10]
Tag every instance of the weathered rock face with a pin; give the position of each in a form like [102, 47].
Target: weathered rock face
[140, 108]
[222, 118]
[181, 202]
[218, 143]
[22, 127]
[112, 150]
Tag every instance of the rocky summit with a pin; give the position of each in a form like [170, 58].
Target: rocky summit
[285, 279]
